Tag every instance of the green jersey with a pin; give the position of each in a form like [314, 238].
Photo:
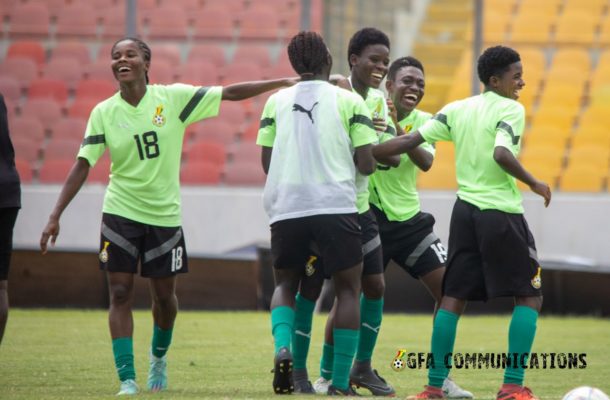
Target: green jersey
[394, 190]
[477, 125]
[375, 101]
[145, 146]
[314, 128]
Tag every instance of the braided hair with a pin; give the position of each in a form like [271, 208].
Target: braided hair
[141, 45]
[308, 54]
[402, 62]
[495, 61]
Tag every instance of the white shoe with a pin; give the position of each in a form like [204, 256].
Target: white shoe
[453, 391]
[157, 374]
[321, 385]
[128, 387]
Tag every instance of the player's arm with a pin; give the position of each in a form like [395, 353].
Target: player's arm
[266, 158]
[398, 145]
[365, 162]
[420, 157]
[76, 178]
[245, 90]
[505, 158]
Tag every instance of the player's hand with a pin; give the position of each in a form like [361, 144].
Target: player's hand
[542, 189]
[340, 81]
[50, 231]
[379, 124]
[392, 111]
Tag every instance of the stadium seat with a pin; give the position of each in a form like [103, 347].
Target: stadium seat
[556, 115]
[62, 149]
[586, 22]
[245, 152]
[77, 20]
[213, 152]
[231, 6]
[101, 69]
[594, 116]
[81, 108]
[259, 23]
[48, 88]
[531, 28]
[542, 172]
[577, 57]
[167, 22]
[199, 72]
[542, 155]
[72, 49]
[29, 20]
[23, 70]
[577, 178]
[26, 149]
[244, 173]
[200, 173]
[240, 72]
[167, 52]
[69, 129]
[24, 169]
[591, 136]
[47, 110]
[503, 7]
[213, 24]
[586, 154]
[28, 126]
[233, 111]
[599, 96]
[212, 130]
[9, 88]
[601, 74]
[604, 32]
[208, 52]
[27, 49]
[63, 69]
[562, 94]
[547, 136]
[251, 53]
[95, 89]
[593, 7]
[162, 72]
[100, 172]
[55, 171]
[113, 22]
[440, 177]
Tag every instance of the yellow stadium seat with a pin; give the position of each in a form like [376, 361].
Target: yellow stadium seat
[552, 137]
[595, 114]
[582, 179]
[556, 115]
[440, 177]
[594, 135]
[594, 155]
[566, 33]
[550, 156]
[504, 7]
[600, 96]
[574, 56]
[531, 28]
[549, 7]
[559, 94]
[596, 7]
[601, 74]
[542, 172]
[604, 32]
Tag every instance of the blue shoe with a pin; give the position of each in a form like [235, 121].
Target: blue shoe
[157, 374]
[128, 387]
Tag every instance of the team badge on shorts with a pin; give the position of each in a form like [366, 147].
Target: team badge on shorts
[537, 280]
[104, 252]
[398, 364]
[310, 269]
[158, 119]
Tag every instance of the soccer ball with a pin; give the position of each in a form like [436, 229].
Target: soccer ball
[585, 393]
[398, 364]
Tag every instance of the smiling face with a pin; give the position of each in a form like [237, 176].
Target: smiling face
[371, 66]
[128, 62]
[509, 83]
[407, 88]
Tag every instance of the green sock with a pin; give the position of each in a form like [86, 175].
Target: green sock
[303, 315]
[346, 342]
[161, 341]
[282, 321]
[326, 363]
[122, 348]
[443, 339]
[371, 311]
[520, 339]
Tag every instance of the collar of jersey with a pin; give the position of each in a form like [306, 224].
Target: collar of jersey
[128, 107]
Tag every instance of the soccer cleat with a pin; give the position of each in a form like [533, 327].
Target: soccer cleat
[128, 387]
[157, 374]
[321, 385]
[349, 392]
[282, 372]
[429, 393]
[369, 379]
[453, 391]
[303, 387]
[515, 392]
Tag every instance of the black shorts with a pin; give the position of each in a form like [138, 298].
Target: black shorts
[411, 244]
[337, 237]
[491, 254]
[8, 216]
[371, 244]
[160, 250]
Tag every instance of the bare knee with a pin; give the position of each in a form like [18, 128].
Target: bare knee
[532, 302]
[120, 294]
[373, 286]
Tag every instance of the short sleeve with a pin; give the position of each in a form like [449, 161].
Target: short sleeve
[509, 128]
[196, 102]
[437, 128]
[361, 129]
[94, 143]
[267, 127]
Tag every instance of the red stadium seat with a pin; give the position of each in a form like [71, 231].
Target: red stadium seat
[244, 173]
[47, 110]
[72, 49]
[113, 21]
[199, 73]
[100, 172]
[63, 69]
[207, 151]
[29, 20]
[24, 169]
[239, 72]
[100, 69]
[55, 171]
[27, 49]
[245, 152]
[48, 88]
[233, 111]
[231, 6]
[167, 22]
[9, 87]
[162, 72]
[213, 130]
[213, 24]
[77, 20]
[200, 172]
[258, 54]
[259, 23]
[81, 108]
[28, 127]
[167, 52]
[69, 128]
[26, 149]
[208, 53]
[96, 89]
[23, 70]
[62, 149]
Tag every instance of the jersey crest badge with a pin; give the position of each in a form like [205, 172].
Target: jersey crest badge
[310, 269]
[537, 280]
[408, 128]
[159, 119]
[104, 252]
[398, 363]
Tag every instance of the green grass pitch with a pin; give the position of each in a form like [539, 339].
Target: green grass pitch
[66, 354]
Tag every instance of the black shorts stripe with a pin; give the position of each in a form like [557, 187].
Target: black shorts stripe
[371, 245]
[119, 241]
[419, 250]
[94, 139]
[361, 119]
[163, 248]
[190, 106]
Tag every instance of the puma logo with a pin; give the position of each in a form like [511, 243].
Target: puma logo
[300, 108]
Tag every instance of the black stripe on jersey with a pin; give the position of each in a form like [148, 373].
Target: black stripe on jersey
[190, 106]
[94, 139]
[265, 122]
[509, 129]
[390, 129]
[361, 119]
[442, 118]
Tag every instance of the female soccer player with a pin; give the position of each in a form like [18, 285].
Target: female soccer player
[142, 126]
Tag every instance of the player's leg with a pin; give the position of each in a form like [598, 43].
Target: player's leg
[8, 216]
[305, 302]
[328, 354]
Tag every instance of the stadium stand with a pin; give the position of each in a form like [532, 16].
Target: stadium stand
[29, 20]
[244, 173]
[200, 173]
